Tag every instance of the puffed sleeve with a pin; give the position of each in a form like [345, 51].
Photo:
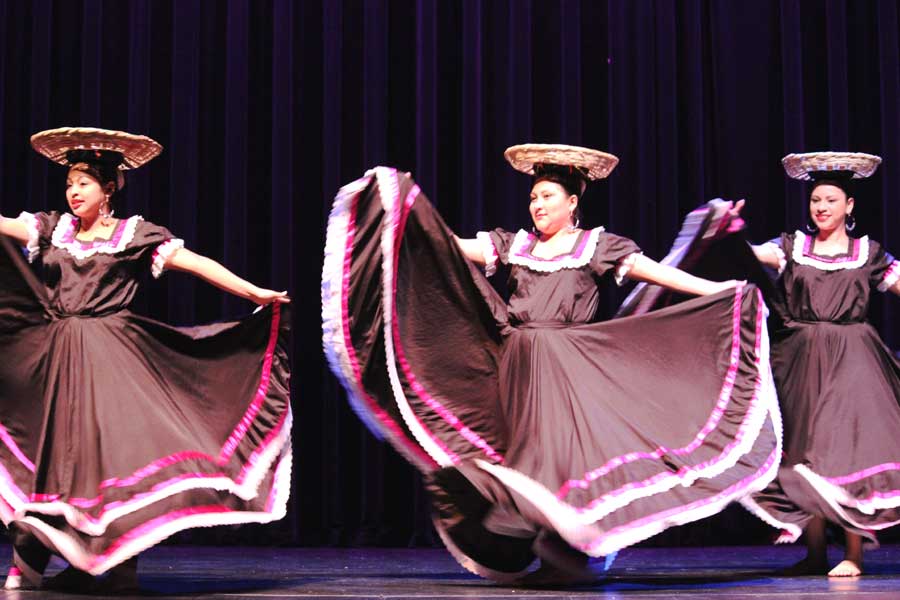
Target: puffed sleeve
[495, 246]
[781, 246]
[40, 228]
[614, 252]
[157, 242]
[885, 269]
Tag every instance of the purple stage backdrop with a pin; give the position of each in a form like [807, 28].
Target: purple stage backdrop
[266, 107]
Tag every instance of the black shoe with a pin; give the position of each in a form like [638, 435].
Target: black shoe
[554, 551]
[70, 579]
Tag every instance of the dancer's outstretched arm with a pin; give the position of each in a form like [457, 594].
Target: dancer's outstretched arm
[214, 273]
[647, 269]
[765, 253]
[14, 229]
[642, 269]
[471, 248]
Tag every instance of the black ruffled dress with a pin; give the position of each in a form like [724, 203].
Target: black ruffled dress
[117, 431]
[839, 387]
[529, 418]
[838, 384]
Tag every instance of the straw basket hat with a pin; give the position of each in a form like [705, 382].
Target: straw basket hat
[592, 164]
[815, 165]
[57, 144]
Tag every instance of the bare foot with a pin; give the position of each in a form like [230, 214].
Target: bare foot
[807, 566]
[846, 568]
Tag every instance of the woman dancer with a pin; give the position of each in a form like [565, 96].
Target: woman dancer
[118, 431]
[838, 383]
[542, 431]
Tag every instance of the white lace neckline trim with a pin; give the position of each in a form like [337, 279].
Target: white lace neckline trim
[64, 237]
[802, 254]
[520, 252]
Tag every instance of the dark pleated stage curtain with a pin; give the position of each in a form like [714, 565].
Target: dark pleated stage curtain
[266, 107]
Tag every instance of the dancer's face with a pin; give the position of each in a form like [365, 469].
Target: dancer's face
[84, 193]
[829, 207]
[551, 206]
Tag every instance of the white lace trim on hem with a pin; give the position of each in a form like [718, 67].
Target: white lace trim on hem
[80, 557]
[578, 526]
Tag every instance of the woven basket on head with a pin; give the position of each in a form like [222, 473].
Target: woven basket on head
[137, 150]
[594, 163]
[799, 166]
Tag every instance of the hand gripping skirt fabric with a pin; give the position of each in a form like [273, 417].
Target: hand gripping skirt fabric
[118, 431]
[603, 434]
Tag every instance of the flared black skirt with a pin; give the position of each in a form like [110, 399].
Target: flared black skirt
[601, 433]
[117, 431]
